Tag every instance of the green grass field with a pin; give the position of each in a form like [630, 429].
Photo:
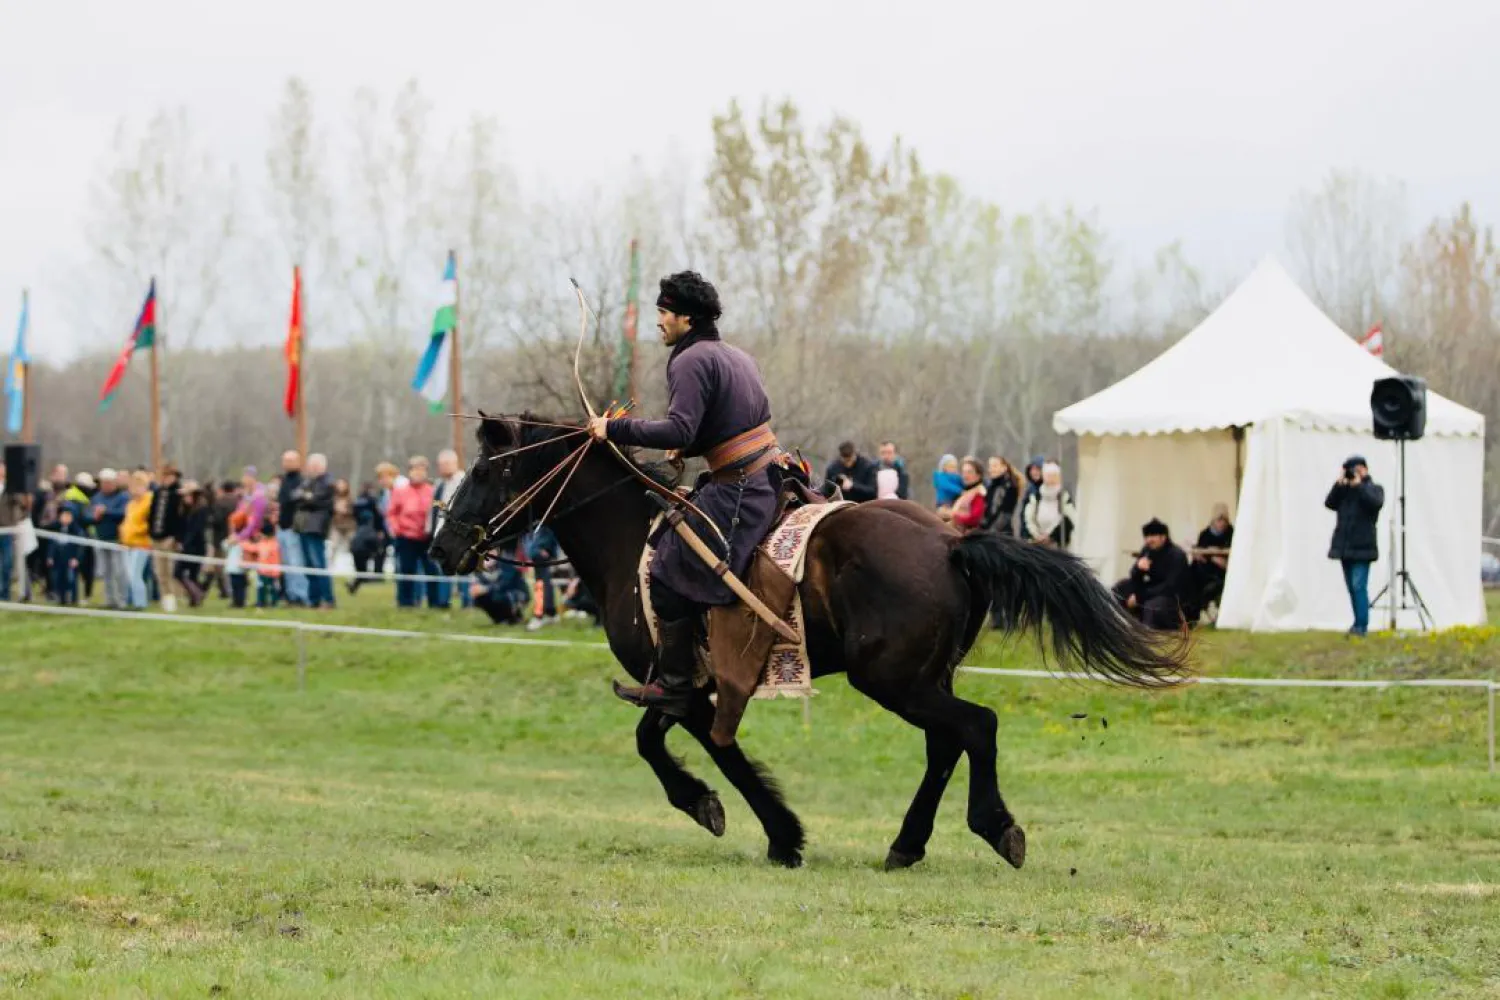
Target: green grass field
[438, 819]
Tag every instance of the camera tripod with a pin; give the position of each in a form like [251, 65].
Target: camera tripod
[1410, 597]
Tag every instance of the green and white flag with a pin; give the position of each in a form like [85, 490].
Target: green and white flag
[432, 371]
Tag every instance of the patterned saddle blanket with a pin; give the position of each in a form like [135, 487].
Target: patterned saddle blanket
[788, 671]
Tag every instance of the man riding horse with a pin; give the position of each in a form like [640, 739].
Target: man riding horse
[717, 409]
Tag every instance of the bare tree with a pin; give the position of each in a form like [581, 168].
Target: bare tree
[396, 259]
[1448, 327]
[1345, 239]
[163, 206]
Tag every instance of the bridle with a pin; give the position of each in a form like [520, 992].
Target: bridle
[487, 542]
[489, 537]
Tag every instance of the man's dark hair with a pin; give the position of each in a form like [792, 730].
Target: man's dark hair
[891, 443]
[687, 294]
[847, 449]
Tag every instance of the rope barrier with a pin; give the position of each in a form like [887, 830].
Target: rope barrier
[289, 568]
[296, 626]
[303, 628]
[1252, 681]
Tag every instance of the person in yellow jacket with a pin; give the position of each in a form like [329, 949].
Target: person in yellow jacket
[135, 535]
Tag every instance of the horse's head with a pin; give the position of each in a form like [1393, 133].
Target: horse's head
[502, 496]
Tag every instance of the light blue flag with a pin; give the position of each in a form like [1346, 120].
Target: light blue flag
[431, 379]
[15, 373]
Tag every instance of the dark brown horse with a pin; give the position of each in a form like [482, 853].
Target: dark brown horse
[892, 597]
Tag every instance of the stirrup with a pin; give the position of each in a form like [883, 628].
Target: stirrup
[655, 695]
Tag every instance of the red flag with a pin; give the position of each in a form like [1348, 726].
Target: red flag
[1373, 341]
[141, 338]
[294, 346]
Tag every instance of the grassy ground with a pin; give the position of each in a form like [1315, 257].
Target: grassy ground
[439, 819]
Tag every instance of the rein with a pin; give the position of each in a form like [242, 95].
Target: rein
[496, 543]
[488, 538]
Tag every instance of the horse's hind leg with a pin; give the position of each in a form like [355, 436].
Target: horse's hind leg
[943, 751]
[783, 829]
[973, 728]
[976, 728]
[684, 791]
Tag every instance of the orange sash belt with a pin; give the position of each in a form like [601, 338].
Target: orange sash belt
[740, 448]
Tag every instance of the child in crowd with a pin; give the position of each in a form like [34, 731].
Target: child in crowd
[63, 556]
[266, 554]
[235, 559]
[947, 483]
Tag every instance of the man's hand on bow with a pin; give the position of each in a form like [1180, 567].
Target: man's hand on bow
[599, 429]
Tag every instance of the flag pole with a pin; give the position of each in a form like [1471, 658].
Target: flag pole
[455, 365]
[635, 314]
[156, 345]
[301, 364]
[28, 426]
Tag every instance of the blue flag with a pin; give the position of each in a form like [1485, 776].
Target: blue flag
[15, 373]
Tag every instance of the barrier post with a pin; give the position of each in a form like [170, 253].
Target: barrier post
[1493, 686]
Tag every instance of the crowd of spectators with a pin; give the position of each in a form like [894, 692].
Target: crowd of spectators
[970, 494]
[125, 535]
[1167, 586]
[285, 532]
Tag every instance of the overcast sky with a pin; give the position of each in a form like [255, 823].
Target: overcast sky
[1197, 119]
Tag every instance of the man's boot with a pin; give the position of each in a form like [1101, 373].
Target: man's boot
[671, 690]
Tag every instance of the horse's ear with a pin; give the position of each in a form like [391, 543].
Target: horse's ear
[497, 432]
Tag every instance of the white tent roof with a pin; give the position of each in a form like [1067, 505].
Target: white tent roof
[1266, 352]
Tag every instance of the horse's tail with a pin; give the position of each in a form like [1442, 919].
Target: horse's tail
[1034, 586]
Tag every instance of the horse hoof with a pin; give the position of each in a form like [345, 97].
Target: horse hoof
[786, 857]
[1012, 846]
[896, 860]
[709, 813]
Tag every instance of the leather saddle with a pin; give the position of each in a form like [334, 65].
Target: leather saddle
[794, 486]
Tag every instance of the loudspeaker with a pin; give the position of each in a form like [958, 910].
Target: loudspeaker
[1399, 407]
[23, 468]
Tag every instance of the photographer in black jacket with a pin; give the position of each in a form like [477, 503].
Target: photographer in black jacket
[854, 473]
[1357, 500]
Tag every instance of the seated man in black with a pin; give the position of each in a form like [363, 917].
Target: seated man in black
[1157, 588]
[500, 591]
[1209, 570]
[854, 474]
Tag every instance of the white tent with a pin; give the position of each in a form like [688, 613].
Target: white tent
[1258, 407]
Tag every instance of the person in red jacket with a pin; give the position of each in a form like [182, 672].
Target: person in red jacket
[406, 520]
[968, 509]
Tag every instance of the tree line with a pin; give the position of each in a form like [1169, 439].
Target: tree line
[881, 299]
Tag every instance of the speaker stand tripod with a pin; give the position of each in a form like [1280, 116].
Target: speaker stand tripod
[1410, 598]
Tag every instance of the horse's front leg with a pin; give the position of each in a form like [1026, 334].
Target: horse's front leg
[684, 791]
[783, 829]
